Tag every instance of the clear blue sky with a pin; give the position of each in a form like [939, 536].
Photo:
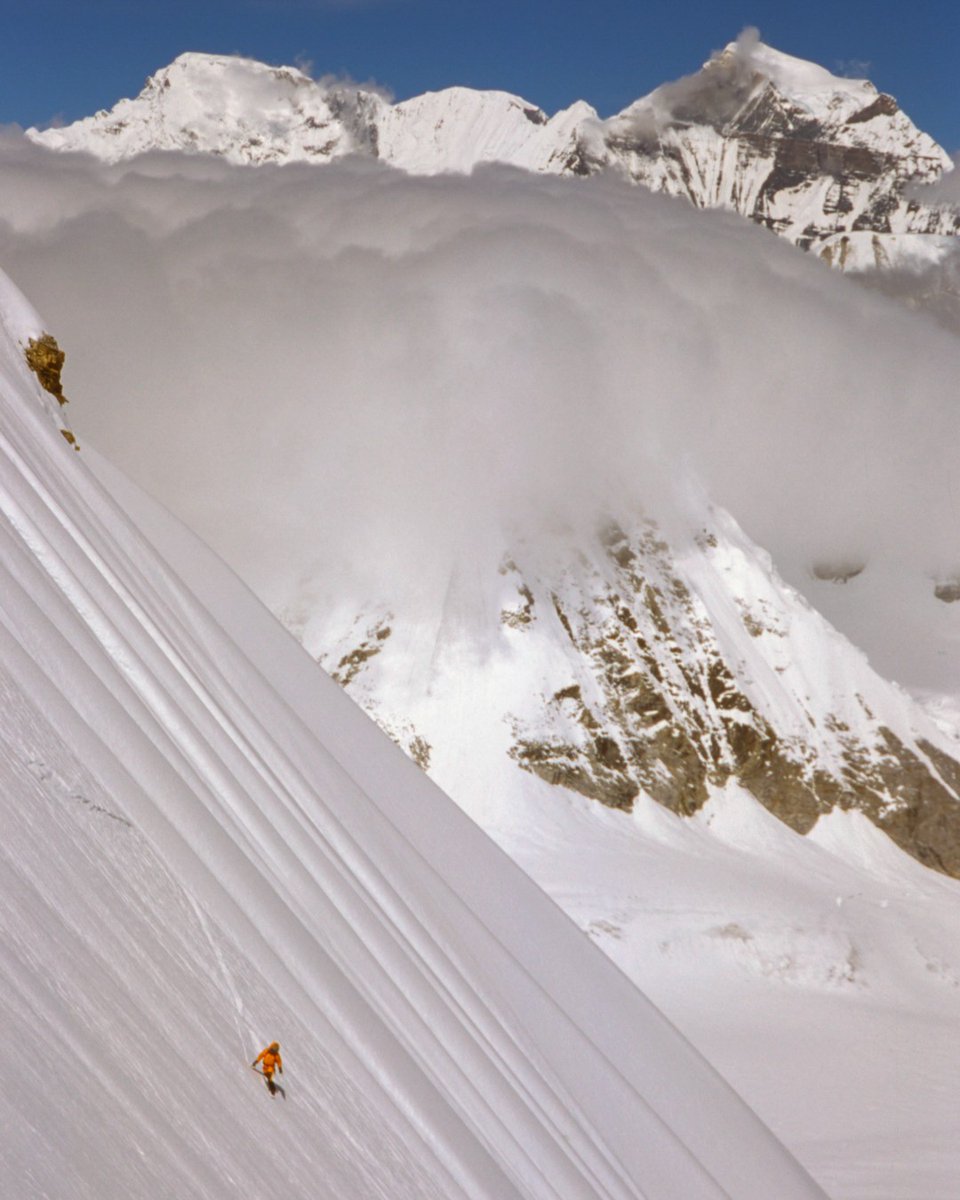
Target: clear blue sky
[67, 58]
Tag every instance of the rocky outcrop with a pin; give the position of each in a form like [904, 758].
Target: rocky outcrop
[784, 143]
[631, 666]
[947, 590]
[670, 715]
[45, 359]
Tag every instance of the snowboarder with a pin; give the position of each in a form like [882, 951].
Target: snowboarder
[270, 1057]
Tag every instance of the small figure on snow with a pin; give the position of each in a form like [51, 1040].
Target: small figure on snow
[270, 1057]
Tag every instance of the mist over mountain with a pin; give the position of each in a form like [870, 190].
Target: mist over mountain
[823, 160]
[484, 351]
[204, 838]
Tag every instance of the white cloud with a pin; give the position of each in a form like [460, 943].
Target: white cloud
[376, 372]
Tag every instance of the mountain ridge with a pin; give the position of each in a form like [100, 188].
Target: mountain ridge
[818, 159]
[633, 667]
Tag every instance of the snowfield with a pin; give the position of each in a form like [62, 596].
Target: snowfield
[208, 846]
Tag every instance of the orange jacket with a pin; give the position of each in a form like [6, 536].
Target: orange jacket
[271, 1059]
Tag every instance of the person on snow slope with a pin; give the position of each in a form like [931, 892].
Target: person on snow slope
[271, 1060]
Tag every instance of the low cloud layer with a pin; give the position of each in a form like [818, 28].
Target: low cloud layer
[350, 369]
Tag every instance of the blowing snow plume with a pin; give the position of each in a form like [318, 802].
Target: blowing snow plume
[359, 370]
[710, 96]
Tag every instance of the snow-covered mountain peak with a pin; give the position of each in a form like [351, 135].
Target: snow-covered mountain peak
[223, 85]
[797, 78]
[809, 154]
[250, 113]
[458, 128]
[244, 110]
[750, 88]
[782, 141]
[853, 110]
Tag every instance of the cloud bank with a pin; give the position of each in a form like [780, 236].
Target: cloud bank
[353, 371]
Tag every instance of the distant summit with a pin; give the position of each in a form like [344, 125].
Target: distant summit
[821, 160]
[253, 114]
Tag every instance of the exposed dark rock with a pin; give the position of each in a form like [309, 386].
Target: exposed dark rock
[419, 750]
[669, 717]
[520, 618]
[353, 662]
[45, 358]
[884, 105]
[947, 590]
[839, 571]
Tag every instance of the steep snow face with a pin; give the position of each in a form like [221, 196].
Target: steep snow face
[787, 959]
[783, 142]
[242, 110]
[457, 129]
[207, 846]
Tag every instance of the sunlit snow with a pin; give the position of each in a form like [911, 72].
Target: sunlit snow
[207, 846]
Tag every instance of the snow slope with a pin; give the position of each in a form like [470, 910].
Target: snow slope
[820, 973]
[207, 846]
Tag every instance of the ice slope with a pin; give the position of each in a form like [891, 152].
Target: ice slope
[459, 128]
[210, 846]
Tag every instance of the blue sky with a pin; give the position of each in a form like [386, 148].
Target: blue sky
[67, 58]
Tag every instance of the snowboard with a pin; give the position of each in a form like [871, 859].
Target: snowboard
[272, 1087]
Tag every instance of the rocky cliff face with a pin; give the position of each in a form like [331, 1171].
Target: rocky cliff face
[632, 667]
[820, 160]
[783, 142]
